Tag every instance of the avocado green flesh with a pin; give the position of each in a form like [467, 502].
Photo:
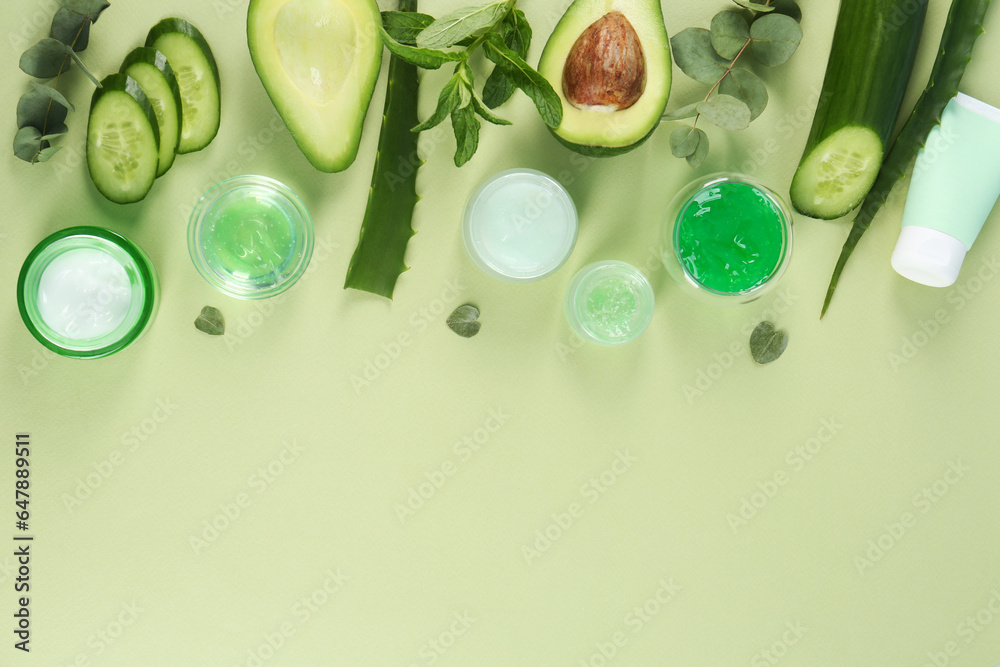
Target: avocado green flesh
[598, 132]
[318, 61]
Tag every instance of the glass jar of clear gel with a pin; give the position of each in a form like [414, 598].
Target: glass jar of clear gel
[609, 303]
[87, 292]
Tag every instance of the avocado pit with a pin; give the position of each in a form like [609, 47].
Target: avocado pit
[606, 68]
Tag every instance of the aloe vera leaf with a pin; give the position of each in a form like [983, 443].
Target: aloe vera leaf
[385, 231]
[963, 27]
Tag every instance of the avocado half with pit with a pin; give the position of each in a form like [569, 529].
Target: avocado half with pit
[319, 61]
[609, 61]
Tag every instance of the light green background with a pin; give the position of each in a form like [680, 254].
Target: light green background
[894, 388]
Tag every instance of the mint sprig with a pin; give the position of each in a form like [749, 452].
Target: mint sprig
[504, 35]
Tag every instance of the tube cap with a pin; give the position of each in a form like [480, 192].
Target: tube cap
[928, 257]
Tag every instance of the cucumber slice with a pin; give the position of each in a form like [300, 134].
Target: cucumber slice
[123, 140]
[838, 172]
[151, 70]
[197, 77]
[874, 47]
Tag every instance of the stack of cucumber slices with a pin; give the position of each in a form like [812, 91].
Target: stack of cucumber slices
[164, 101]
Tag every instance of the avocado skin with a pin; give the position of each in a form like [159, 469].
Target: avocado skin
[601, 151]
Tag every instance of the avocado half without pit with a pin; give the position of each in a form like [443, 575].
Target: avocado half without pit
[609, 61]
[319, 61]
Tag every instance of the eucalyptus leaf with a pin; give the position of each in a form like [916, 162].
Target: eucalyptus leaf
[84, 69]
[464, 321]
[211, 321]
[466, 127]
[517, 36]
[40, 109]
[89, 8]
[687, 111]
[71, 28]
[747, 87]
[527, 79]
[767, 343]
[725, 111]
[46, 59]
[730, 33]
[466, 22]
[697, 158]
[775, 39]
[449, 99]
[46, 153]
[54, 94]
[754, 6]
[695, 55]
[423, 58]
[404, 26]
[684, 141]
[788, 8]
[28, 144]
[55, 132]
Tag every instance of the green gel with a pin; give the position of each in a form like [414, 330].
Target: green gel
[611, 307]
[251, 237]
[729, 237]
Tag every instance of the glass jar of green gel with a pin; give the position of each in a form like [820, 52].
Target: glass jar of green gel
[727, 238]
[609, 303]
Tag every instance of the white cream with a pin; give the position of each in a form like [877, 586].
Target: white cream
[84, 294]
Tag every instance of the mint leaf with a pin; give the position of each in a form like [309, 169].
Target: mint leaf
[466, 127]
[449, 99]
[484, 111]
[424, 58]
[457, 25]
[517, 37]
[404, 26]
[527, 79]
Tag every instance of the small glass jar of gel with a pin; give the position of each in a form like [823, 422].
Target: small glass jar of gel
[609, 303]
[520, 225]
[250, 237]
[87, 292]
[727, 238]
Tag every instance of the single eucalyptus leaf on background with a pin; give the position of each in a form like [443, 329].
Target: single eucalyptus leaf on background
[534, 85]
[464, 321]
[697, 158]
[41, 109]
[459, 24]
[730, 33]
[466, 127]
[404, 26]
[767, 343]
[449, 99]
[695, 55]
[46, 153]
[46, 59]
[54, 94]
[747, 87]
[684, 141]
[28, 144]
[725, 111]
[423, 58]
[754, 6]
[211, 321]
[83, 67]
[775, 39]
[688, 111]
[55, 133]
[71, 28]
[90, 8]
